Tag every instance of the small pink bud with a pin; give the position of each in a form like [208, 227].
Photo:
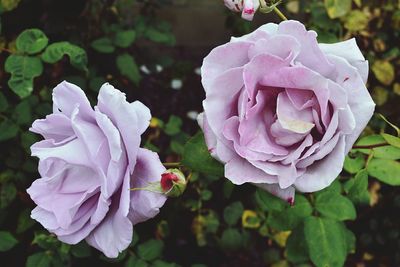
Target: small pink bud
[173, 183]
[234, 5]
[247, 7]
[249, 11]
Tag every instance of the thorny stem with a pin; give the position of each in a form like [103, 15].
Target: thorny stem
[371, 146]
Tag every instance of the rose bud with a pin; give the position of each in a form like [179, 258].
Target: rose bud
[173, 182]
[247, 7]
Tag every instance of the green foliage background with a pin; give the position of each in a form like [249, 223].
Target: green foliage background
[354, 221]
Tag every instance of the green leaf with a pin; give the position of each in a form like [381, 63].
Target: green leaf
[81, 250]
[384, 71]
[160, 263]
[135, 262]
[127, 67]
[334, 187]
[357, 188]
[27, 140]
[228, 188]
[46, 241]
[383, 152]
[125, 38]
[337, 8]
[103, 45]
[31, 41]
[96, 82]
[40, 259]
[325, 241]
[268, 202]
[158, 36]
[24, 221]
[173, 125]
[296, 248]
[335, 206]
[350, 239]
[380, 95]
[387, 171]
[392, 140]
[233, 213]
[8, 192]
[23, 70]
[231, 239]
[56, 51]
[197, 157]
[7, 241]
[22, 113]
[150, 250]
[354, 164]
[8, 130]
[206, 195]
[290, 217]
[3, 102]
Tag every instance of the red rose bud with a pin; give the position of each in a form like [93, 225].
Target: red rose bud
[173, 182]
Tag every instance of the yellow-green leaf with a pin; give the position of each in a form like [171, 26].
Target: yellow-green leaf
[356, 20]
[337, 8]
[380, 95]
[384, 71]
[392, 140]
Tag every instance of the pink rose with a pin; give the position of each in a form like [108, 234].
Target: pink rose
[88, 162]
[282, 111]
[247, 7]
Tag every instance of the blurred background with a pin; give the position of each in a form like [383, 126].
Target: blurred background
[152, 50]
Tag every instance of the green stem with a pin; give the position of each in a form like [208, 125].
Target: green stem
[370, 156]
[172, 164]
[6, 50]
[280, 14]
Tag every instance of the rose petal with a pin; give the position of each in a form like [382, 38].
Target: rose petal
[348, 50]
[219, 104]
[55, 126]
[273, 46]
[125, 117]
[145, 204]
[264, 31]
[222, 59]
[322, 173]
[361, 104]
[73, 152]
[114, 233]
[231, 133]
[65, 98]
[240, 171]
[297, 121]
[310, 54]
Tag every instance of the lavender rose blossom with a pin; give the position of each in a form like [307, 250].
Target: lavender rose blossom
[89, 160]
[282, 111]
